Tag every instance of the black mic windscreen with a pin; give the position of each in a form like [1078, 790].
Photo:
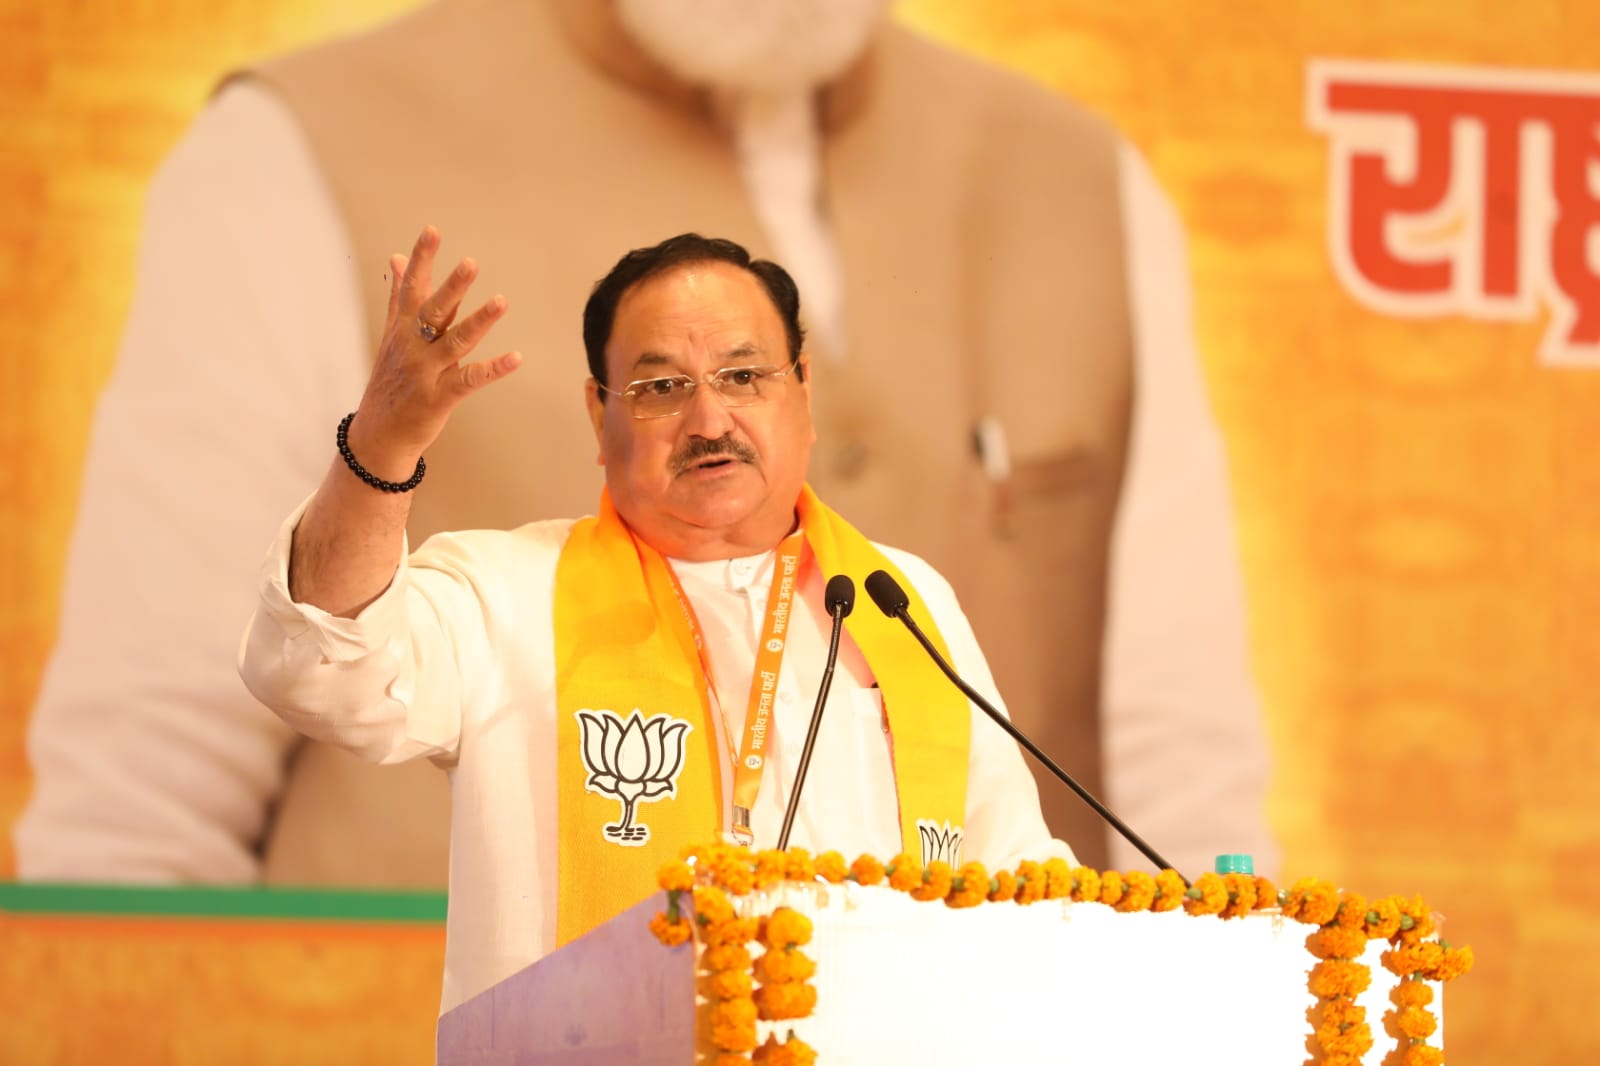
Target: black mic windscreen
[887, 593]
[840, 595]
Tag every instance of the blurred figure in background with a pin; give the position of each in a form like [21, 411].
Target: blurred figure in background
[992, 279]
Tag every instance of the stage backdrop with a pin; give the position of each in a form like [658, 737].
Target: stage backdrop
[1394, 215]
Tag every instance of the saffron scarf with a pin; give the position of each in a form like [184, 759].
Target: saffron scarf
[638, 763]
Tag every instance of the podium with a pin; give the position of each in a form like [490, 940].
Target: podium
[902, 981]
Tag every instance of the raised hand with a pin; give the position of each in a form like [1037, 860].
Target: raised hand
[419, 377]
[349, 537]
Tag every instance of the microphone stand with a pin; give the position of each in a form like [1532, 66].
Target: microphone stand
[841, 598]
[892, 601]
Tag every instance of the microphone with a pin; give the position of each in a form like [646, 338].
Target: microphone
[840, 597]
[892, 601]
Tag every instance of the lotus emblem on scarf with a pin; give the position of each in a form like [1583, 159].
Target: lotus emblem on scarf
[636, 761]
[940, 843]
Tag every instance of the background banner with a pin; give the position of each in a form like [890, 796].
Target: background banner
[1393, 217]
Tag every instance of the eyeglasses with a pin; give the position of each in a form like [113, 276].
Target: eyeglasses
[738, 386]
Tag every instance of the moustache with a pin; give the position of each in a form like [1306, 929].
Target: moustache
[701, 448]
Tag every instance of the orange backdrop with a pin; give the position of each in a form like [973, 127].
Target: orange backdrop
[1420, 542]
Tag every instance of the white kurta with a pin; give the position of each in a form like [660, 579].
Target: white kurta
[456, 662]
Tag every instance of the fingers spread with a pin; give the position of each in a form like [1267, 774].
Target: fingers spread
[470, 330]
[476, 375]
[418, 280]
[397, 268]
[439, 309]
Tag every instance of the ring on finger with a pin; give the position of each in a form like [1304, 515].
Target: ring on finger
[428, 331]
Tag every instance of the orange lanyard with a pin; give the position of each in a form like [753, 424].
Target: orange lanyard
[751, 757]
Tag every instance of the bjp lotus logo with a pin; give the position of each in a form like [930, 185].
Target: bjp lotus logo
[636, 761]
[940, 842]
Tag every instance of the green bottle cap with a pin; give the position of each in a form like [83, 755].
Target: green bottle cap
[1235, 864]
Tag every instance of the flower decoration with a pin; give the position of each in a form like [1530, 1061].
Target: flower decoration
[776, 985]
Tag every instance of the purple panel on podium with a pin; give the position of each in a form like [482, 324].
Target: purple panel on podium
[614, 995]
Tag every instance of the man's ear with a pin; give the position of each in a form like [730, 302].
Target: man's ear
[805, 385]
[596, 404]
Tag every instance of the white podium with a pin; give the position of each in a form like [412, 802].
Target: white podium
[903, 981]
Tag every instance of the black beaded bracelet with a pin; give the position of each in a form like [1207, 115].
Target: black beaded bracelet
[343, 438]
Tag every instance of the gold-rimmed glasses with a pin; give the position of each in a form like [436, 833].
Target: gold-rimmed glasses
[738, 386]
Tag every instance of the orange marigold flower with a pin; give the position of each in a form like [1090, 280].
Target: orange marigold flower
[731, 1058]
[1266, 893]
[711, 905]
[831, 867]
[1332, 978]
[732, 872]
[733, 1012]
[1352, 912]
[724, 958]
[676, 877]
[1336, 942]
[733, 1025]
[1003, 886]
[1339, 1042]
[866, 870]
[1411, 992]
[731, 984]
[1208, 895]
[794, 1052]
[1340, 1060]
[770, 863]
[1170, 891]
[1312, 901]
[971, 886]
[1383, 918]
[1421, 1055]
[736, 931]
[1338, 1013]
[784, 928]
[1241, 889]
[733, 1037]
[1110, 888]
[1138, 892]
[1453, 962]
[1408, 959]
[800, 1053]
[1057, 878]
[1416, 921]
[1085, 884]
[1415, 1023]
[778, 1002]
[669, 932]
[800, 866]
[1030, 882]
[905, 872]
[936, 882]
[778, 967]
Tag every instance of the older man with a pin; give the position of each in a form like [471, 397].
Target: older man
[549, 666]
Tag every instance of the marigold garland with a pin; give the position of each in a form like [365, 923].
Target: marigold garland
[1343, 924]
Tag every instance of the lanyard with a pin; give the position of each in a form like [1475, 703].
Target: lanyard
[750, 760]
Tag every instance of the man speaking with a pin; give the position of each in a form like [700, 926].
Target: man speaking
[606, 691]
